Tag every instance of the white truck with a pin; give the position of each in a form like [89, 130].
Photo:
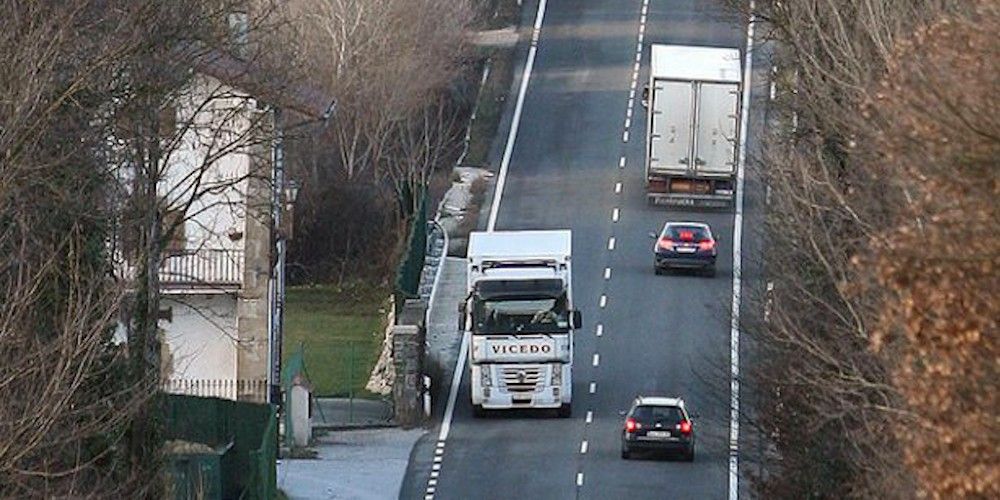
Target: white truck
[519, 314]
[693, 113]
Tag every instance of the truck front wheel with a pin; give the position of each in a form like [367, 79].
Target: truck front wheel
[566, 410]
[478, 411]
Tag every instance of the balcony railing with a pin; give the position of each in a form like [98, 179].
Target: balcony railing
[241, 390]
[197, 268]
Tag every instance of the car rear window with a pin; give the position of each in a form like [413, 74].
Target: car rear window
[663, 414]
[687, 233]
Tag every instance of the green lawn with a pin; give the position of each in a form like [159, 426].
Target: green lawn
[340, 332]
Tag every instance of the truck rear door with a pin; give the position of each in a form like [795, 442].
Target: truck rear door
[716, 132]
[670, 139]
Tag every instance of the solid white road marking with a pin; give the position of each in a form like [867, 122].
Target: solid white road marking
[600, 329]
[583, 447]
[614, 215]
[597, 359]
[590, 416]
[734, 327]
[515, 123]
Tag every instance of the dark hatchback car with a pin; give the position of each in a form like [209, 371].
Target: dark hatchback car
[685, 245]
[658, 424]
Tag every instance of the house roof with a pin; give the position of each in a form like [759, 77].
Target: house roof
[248, 77]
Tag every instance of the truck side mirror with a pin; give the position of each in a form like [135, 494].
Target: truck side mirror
[461, 316]
[577, 319]
[645, 96]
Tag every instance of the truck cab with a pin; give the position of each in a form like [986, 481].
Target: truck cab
[519, 314]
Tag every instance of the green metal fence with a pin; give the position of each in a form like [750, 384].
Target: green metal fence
[244, 433]
[412, 264]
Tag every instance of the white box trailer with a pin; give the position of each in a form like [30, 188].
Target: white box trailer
[693, 112]
[519, 314]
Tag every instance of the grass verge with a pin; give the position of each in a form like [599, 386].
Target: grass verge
[340, 331]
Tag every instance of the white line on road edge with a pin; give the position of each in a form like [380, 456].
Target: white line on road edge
[518, 106]
[734, 327]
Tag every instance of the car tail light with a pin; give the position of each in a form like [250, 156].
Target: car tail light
[631, 425]
[706, 244]
[687, 235]
[665, 244]
[685, 427]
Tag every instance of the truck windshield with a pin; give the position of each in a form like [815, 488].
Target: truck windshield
[521, 315]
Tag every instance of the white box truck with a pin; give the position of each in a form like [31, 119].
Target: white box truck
[693, 112]
[520, 316]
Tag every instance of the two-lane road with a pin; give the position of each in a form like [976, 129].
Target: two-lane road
[644, 334]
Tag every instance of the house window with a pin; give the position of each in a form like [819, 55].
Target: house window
[168, 122]
[173, 230]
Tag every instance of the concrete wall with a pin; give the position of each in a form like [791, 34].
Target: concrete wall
[200, 338]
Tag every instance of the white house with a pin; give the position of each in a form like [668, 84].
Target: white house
[222, 277]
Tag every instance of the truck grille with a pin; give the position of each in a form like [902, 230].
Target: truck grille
[523, 378]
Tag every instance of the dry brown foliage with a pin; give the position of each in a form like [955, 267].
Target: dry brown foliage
[882, 250]
[936, 119]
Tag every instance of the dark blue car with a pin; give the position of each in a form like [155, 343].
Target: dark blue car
[685, 245]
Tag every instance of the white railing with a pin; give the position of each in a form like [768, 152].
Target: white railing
[242, 390]
[193, 268]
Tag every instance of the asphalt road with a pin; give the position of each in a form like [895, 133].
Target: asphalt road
[663, 335]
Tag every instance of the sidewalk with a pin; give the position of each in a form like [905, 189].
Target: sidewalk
[367, 464]
[342, 413]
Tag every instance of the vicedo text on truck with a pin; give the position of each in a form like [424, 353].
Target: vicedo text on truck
[520, 317]
[692, 127]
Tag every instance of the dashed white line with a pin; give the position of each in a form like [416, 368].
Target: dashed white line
[436, 467]
[583, 447]
[618, 187]
[597, 359]
[641, 34]
[432, 482]
[621, 162]
[579, 479]
[607, 273]
[628, 123]
[615, 214]
[593, 387]
[642, 19]
[435, 474]
[611, 243]
[438, 459]
[628, 112]
[590, 416]
[625, 136]
[638, 57]
[600, 329]
[631, 97]
[604, 301]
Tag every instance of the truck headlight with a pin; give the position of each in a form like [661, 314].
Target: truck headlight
[557, 375]
[484, 376]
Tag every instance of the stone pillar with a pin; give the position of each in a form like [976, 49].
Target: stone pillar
[408, 361]
[253, 301]
[299, 411]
